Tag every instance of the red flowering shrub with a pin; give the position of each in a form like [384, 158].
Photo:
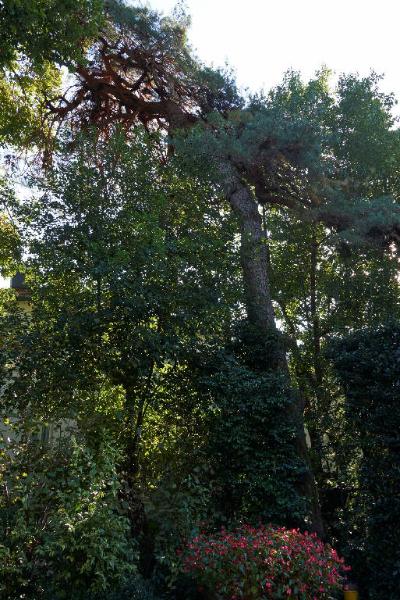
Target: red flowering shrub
[263, 563]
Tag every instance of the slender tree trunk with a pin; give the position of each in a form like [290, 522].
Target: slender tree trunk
[130, 492]
[315, 324]
[253, 252]
[260, 312]
[135, 407]
[319, 403]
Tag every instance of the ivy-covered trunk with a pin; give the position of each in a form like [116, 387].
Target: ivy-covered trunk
[261, 316]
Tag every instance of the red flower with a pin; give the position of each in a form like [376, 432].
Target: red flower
[248, 563]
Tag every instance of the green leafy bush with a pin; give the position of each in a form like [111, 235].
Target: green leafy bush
[251, 442]
[62, 533]
[368, 365]
[264, 562]
[174, 510]
[134, 589]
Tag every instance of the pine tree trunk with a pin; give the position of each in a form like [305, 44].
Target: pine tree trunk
[253, 251]
[260, 312]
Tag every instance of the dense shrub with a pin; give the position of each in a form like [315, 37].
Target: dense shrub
[261, 563]
[134, 589]
[62, 533]
[368, 365]
[251, 442]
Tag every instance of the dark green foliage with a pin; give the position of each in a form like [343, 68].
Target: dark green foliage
[366, 141]
[37, 39]
[122, 273]
[123, 281]
[135, 589]
[63, 533]
[368, 366]
[47, 30]
[137, 329]
[251, 439]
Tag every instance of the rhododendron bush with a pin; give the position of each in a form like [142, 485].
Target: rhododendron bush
[264, 562]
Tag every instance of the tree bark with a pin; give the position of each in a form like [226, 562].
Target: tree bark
[260, 312]
[253, 251]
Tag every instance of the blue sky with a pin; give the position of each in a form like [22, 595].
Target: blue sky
[261, 39]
